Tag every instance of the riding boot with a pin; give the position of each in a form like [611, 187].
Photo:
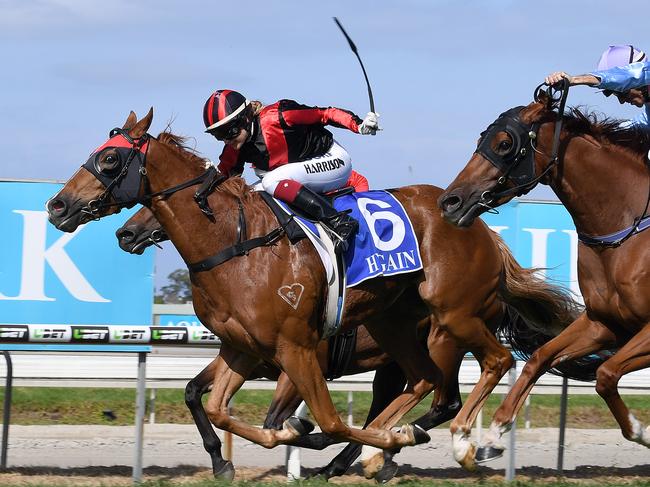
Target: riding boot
[319, 208]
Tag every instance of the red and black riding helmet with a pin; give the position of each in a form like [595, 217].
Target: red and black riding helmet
[223, 113]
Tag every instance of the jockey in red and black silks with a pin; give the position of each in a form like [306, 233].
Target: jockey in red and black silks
[292, 152]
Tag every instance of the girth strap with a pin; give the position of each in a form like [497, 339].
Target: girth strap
[340, 351]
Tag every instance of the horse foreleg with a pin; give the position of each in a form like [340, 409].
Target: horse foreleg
[634, 355]
[388, 383]
[231, 370]
[580, 338]
[193, 391]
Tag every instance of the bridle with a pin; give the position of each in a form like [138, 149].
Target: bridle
[126, 186]
[518, 164]
[126, 190]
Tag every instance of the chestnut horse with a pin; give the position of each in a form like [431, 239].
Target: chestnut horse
[240, 303]
[143, 230]
[599, 170]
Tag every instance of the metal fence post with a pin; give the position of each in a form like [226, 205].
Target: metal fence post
[6, 414]
[140, 398]
[563, 410]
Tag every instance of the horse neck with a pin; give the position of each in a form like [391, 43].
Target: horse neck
[603, 186]
[193, 234]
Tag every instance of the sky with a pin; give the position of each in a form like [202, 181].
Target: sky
[440, 72]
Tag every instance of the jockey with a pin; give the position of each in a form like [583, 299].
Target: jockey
[623, 71]
[292, 152]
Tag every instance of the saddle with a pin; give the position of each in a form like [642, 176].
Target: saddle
[292, 229]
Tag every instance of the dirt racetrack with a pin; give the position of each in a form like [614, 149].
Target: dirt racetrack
[93, 455]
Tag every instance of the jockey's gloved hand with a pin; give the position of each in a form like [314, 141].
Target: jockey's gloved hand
[370, 124]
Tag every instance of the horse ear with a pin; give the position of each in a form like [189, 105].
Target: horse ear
[143, 125]
[130, 121]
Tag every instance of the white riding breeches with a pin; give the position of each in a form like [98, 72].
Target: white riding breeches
[321, 174]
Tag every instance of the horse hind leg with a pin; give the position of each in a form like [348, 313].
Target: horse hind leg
[634, 355]
[221, 468]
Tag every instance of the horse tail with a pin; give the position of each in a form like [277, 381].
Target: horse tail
[536, 312]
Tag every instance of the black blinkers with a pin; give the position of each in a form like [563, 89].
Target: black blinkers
[518, 163]
[124, 180]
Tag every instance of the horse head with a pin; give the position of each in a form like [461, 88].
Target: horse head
[509, 160]
[111, 178]
[140, 231]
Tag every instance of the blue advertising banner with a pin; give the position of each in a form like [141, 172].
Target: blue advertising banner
[540, 234]
[51, 277]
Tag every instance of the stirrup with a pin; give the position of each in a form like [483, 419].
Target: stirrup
[351, 227]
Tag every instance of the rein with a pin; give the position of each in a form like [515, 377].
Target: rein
[511, 165]
[94, 206]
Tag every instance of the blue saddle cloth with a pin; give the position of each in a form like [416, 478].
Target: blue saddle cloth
[385, 243]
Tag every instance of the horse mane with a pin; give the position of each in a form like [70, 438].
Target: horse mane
[180, 145]
[581, 121]
[235, 185]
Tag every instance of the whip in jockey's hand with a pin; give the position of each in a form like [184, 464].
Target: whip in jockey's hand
[370, 124]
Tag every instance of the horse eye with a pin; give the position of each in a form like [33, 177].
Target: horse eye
[504, 145]
[110, 164]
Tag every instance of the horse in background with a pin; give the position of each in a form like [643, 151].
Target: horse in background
[599, 171]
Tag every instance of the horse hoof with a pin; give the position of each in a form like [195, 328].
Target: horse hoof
[468, 461]
[226, 472]
[420, 435]
[387, 472]
[298, 426]
[488, 453]
[372, 461]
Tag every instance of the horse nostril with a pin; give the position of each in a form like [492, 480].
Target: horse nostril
[125, 236]
[56, 207]
[451, 203]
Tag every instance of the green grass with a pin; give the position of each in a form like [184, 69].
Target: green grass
[35, 405]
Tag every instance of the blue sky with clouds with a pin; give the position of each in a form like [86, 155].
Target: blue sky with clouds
[441, 71]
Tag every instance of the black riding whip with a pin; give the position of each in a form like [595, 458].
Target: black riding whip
[356, 53]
